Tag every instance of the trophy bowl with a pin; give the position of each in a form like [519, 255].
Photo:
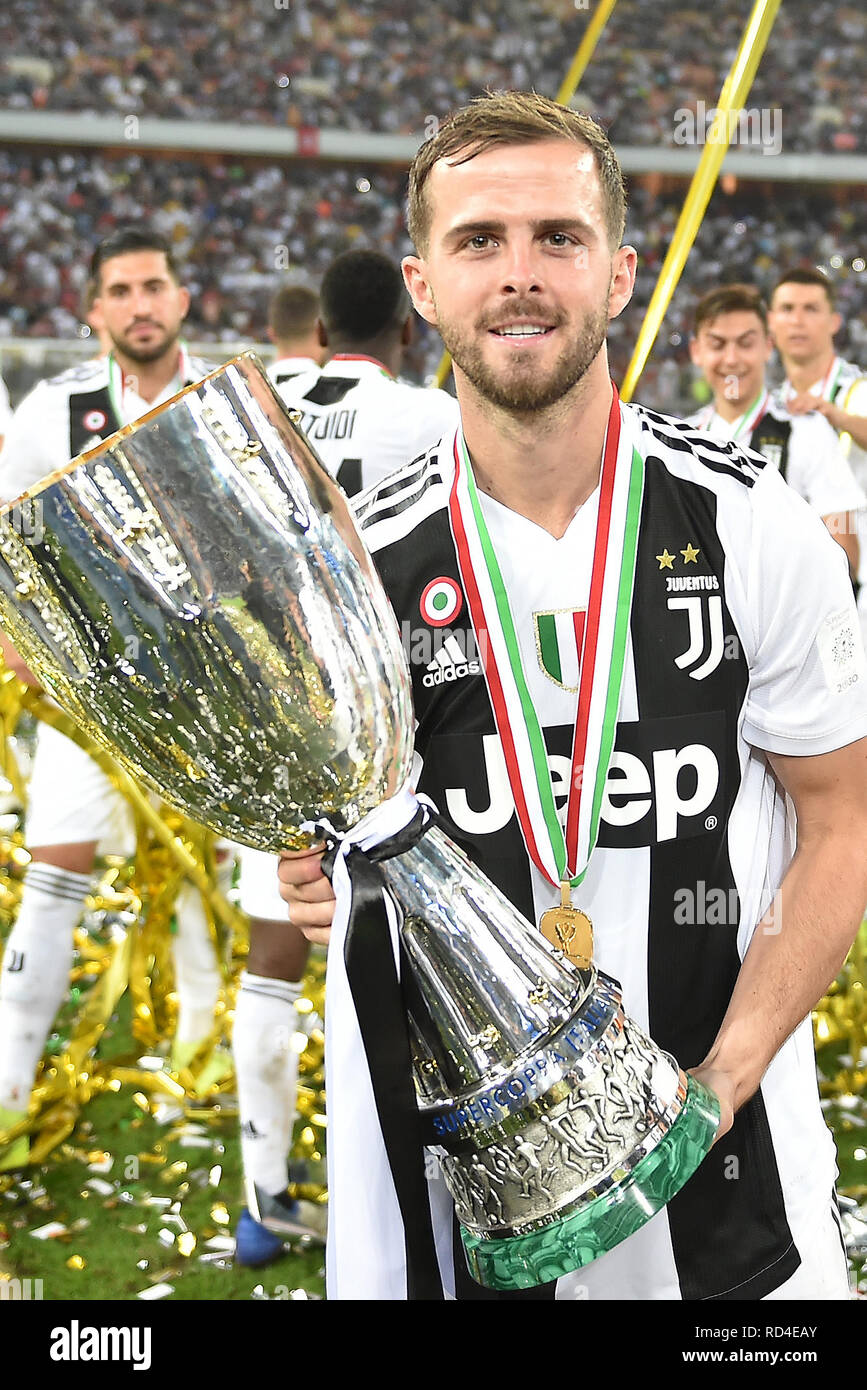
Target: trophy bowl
[196, 596]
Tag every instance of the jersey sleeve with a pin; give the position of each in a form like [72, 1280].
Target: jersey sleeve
[35, 444]
[807, 690]
[819, 470]
[854, 402]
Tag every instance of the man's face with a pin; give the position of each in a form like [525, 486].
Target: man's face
[733, 350]
[141, 305]
[802, 322]
[518, 275]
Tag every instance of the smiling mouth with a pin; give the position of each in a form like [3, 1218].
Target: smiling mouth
[523, 331]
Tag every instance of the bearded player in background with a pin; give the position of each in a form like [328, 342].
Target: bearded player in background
[140, 304]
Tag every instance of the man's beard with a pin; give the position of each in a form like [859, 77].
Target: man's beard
[517, 388]
[142, 354]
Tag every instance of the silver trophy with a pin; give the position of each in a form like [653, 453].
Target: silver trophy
[195, 594]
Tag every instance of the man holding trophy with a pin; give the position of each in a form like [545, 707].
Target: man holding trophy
[743, 685]
[631, 652]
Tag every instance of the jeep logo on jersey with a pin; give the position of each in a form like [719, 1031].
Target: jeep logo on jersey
[559, 636]
[441, 601]
[706, 639]
[665, 780]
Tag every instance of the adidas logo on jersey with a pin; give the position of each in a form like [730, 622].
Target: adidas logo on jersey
[449, 664]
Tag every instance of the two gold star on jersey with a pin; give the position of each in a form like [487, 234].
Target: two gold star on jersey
[690, 556]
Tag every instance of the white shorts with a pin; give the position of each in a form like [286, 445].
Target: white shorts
[70, 800]
[257, 885]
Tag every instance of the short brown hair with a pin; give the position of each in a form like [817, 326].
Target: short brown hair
[730, 299]
[292, 312]
[514, 118]
[125, 240]
[806, 275]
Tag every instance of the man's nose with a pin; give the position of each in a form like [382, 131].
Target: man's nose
[522, 273]
[140, 302]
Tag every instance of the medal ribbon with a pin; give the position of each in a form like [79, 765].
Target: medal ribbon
[602, 657]
[826, 389]
[115, 390]
[740, 425]
[746, 423]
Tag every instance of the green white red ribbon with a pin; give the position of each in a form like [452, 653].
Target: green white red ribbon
[557, 855]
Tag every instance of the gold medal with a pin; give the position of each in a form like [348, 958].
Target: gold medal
[569, 929]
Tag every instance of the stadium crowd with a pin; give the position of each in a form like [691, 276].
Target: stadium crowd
[243, 228]
[380, 65]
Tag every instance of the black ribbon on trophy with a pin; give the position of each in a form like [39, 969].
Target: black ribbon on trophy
[382, 1016]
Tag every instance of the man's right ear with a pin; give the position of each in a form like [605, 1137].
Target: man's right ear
[418, 288]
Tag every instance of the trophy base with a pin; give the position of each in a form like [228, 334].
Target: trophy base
[575, 1240]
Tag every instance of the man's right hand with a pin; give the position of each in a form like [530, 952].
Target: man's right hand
[308, 893]
[16, 665]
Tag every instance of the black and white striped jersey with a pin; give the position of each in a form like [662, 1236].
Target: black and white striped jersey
[743, 642]
[69, 413]
[804, 448]
[363, 423]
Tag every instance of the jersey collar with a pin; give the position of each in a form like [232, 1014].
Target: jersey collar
[367, 366]
[825, 388]
[295, 364]
[184, 376]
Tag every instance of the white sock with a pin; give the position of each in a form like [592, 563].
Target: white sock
[35, 974]
[197, 974]
[266, 1069]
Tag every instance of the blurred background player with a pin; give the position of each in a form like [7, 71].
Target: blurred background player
[91, 313]
[73, 808]
[363, 423]
[359, 418]
[293, 316]
[5, 411]
[266, 1065]
[803, 320]
[732, 346]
